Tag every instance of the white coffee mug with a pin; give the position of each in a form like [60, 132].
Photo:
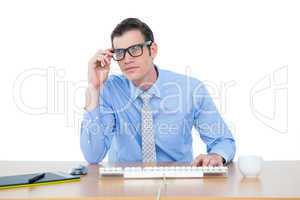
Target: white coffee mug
[250, 166]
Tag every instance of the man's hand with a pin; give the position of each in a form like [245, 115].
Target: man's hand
[208, 160]
[98, 68]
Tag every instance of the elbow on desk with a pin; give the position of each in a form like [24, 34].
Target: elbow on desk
[92, 159]
[92, 156]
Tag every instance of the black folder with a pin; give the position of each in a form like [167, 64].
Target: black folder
[49, 178]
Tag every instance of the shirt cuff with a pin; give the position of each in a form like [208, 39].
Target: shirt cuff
[93, 114]
[222, 154]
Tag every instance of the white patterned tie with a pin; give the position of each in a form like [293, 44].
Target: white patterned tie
[148, 142]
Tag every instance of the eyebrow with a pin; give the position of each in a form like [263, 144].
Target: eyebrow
[129, 46]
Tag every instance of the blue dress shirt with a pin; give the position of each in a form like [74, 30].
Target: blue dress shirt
[179, 103]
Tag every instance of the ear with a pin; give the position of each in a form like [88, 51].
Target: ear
[153, 49]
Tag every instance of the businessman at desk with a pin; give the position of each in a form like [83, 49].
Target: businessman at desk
[147, 113]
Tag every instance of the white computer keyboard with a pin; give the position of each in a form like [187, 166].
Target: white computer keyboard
[162, 172]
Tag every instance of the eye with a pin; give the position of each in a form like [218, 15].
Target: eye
[135, 49]
[119, 53]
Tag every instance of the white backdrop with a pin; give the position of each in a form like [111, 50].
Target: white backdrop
[247, 52]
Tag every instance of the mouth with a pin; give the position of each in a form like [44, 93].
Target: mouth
[131, 69]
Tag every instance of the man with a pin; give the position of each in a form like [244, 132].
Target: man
[147, 114]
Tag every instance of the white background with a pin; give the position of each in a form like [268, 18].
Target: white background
[246, 51]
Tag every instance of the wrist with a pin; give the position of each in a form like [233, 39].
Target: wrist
[92, 97]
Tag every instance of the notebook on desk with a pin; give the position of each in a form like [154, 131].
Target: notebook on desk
[49, 178]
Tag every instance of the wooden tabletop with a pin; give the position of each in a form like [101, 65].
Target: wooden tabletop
[279, 179]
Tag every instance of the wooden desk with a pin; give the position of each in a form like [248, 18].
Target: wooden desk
[279, 179]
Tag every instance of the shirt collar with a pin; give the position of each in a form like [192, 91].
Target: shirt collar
[154, 90]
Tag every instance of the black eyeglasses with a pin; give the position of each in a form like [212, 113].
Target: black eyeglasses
[134, 51]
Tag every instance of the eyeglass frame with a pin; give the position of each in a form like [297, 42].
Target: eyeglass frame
[142, 45]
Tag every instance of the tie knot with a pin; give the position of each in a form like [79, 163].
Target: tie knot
[145, 97]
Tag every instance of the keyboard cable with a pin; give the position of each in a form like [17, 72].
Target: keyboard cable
[163, 183]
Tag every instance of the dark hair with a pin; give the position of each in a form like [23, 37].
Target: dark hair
[132, 24]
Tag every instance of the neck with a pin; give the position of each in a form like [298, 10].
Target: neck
[148, 80]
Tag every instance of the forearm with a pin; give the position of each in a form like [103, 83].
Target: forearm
[95, 136]
[92, 146]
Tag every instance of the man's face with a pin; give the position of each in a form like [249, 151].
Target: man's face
[135, 68]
